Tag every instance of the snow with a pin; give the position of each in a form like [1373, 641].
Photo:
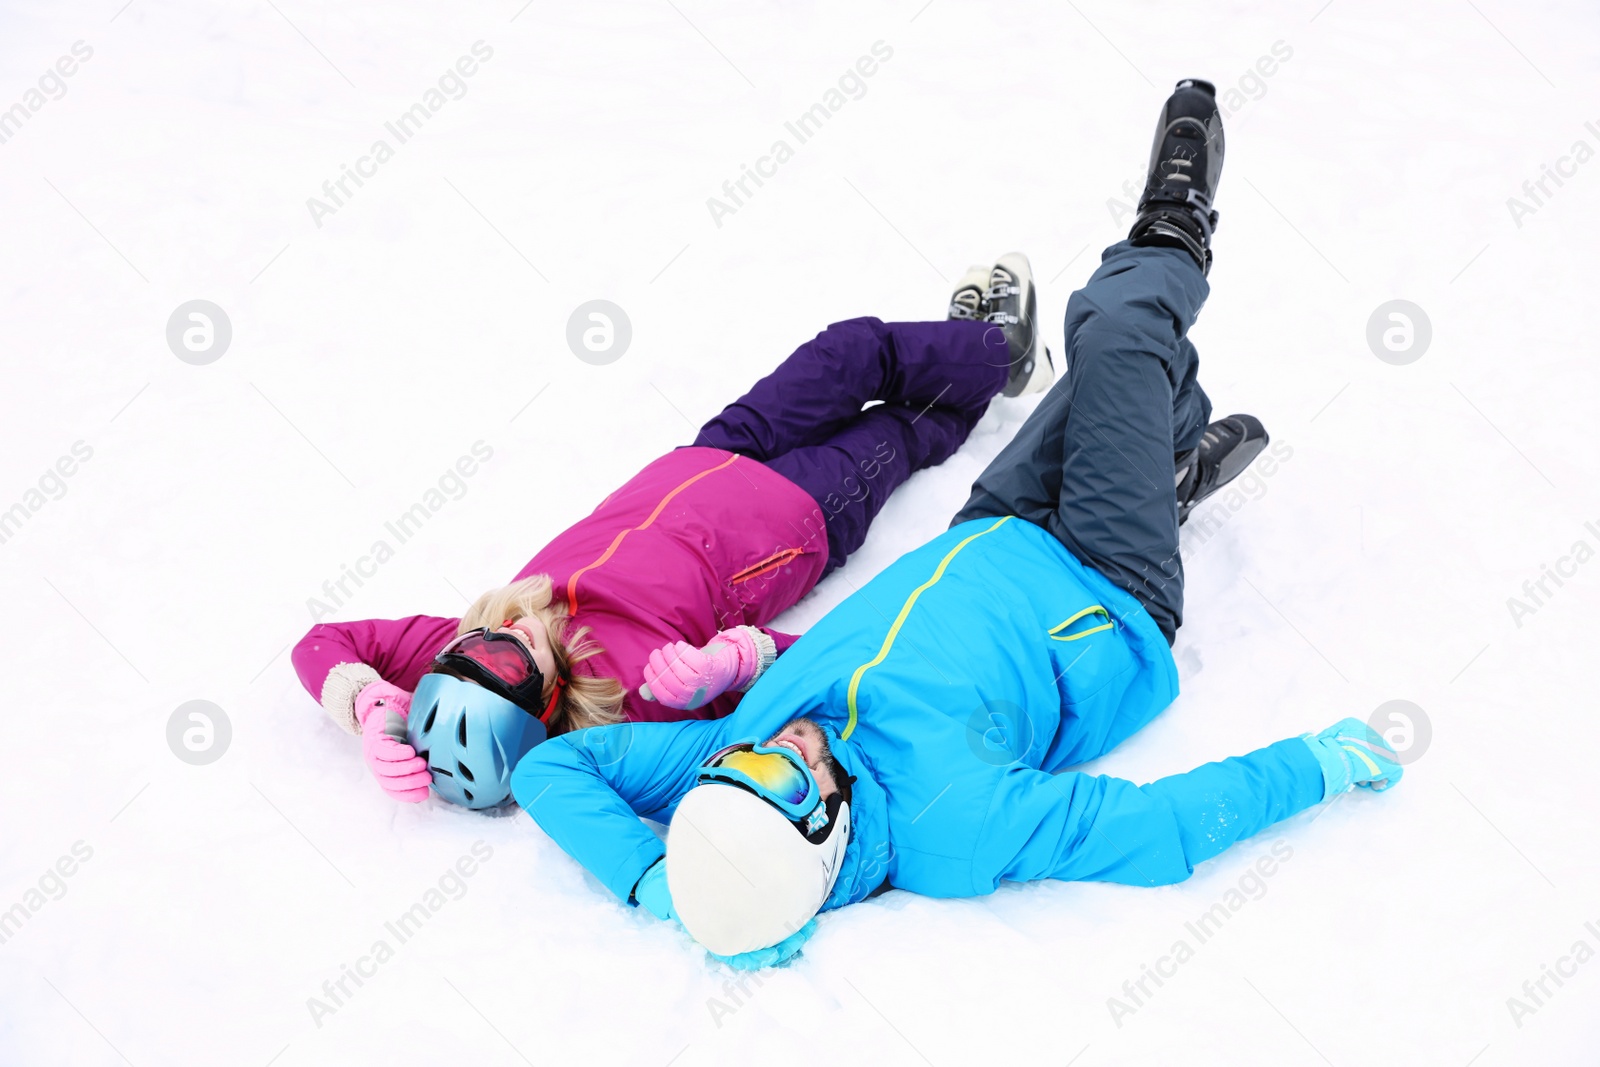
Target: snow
[428, 313]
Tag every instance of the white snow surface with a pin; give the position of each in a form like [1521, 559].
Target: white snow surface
[428, 312]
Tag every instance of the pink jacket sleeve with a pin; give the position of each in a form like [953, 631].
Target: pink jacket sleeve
[351, 654]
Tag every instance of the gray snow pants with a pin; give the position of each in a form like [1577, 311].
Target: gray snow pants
[1094, 462]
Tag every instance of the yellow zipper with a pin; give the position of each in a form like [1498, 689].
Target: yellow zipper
[1092, 609]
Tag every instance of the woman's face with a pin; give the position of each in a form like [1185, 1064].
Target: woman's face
[531, 630]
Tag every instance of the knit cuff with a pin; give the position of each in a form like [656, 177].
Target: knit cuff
[766, 653]
[339, 691]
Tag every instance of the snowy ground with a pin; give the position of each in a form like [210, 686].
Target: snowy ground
[375, 343]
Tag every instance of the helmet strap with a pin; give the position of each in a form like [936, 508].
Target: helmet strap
[821, 824]
[555, 695]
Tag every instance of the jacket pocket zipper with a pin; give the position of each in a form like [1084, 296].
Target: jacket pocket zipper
[767, 566]
[1094, 610]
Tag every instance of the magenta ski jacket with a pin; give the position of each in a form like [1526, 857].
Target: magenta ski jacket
[698, 541]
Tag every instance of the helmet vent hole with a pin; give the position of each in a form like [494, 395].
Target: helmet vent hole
[461, 731]
[443, 771]
[427, 723]
[468, 793]
[462, 768]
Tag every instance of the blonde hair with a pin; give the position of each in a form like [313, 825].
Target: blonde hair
[584, 701]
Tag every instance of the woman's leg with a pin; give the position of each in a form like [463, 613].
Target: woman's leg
[1094, 463]
[852, 473]
[815, 393]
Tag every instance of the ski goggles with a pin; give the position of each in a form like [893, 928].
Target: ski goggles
[503, 665]
[780, 777]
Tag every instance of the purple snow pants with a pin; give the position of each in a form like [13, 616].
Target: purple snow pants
[806, 421]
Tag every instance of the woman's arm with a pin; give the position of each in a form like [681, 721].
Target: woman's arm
[1080, 827]
[335, 661]
[780, 640]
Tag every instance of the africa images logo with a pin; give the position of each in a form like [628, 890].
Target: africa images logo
[402, 128]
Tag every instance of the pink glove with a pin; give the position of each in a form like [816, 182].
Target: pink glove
[381, 709]
[682, 676]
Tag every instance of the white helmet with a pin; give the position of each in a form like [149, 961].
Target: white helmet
[744, 876]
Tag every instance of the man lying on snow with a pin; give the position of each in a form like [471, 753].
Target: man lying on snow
[868, 754]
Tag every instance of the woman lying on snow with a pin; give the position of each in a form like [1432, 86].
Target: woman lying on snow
[702, 548]
[913, 737]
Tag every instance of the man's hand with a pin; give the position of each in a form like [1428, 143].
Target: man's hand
[784, 950]
[1351, 753]
[652, 892]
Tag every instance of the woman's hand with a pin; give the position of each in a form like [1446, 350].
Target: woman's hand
[382, 709]
[682, 676]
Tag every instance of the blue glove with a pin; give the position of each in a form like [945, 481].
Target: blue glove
[1351, 753]
[652, 892]
[756, 959]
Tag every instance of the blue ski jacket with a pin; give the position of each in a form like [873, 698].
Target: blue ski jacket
[953, 687]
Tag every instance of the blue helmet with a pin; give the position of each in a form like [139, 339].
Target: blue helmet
[470, 737]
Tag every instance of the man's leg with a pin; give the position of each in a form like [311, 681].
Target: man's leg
[822, 387]
[1094, 463]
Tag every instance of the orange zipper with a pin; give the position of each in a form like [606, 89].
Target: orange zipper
[767, 566]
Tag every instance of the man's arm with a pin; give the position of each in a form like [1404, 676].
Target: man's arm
[1080, 827]
[588, 789]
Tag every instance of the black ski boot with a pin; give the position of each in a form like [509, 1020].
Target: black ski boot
[967, 300]
[1185, 165]
[1228, 447]
[1013, 306]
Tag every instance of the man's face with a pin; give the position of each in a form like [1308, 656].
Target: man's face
[806, 738]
